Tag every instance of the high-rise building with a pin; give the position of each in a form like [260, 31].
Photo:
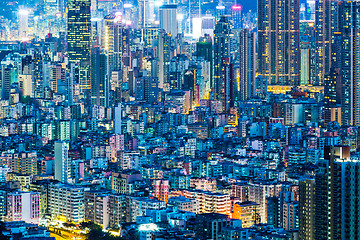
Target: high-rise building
[348, 25]
[5, 81]
[23, 206]
[20, 162]
[321, 199]
[168, 20]
[290, 216]
[307, 209]
[61, 161]
[259, 193]
[38, 74]
[323, 179]
[307, 53]
[165, 47]
[247, 62]
[336, 195]
[113, 41]
[344, 198]
[222, 59]
[278, 41]
[324, 27]
[119, 209]
[96, 205]
[246, 212]
[66, 201]
[99, 78]
[23, 17]
[79, 38]
[236, 16]
[148, 35]
[117, 119]
[204, 50]
[146, 13]
[210, 225]
[332, 96]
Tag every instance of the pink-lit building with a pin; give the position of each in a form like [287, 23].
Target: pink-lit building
[116, 143]
[161, 189]
[23, 206]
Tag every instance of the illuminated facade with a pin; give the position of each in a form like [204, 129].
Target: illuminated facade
[307, 209]
[113, 41]
[307, 53]
[278, 41]
[23, 206]
[259, 193]
[222, 56]
[97, 207]
[247, 61]
[66, 201]
[332, 88]
[79, 38]
[23, 163]
[349, 16]
[168, 20]
[204, 50]
[164, 47]
[236, 16]
[210, 202]
[324, 21]
[38, 74]
[184, 204]
[246, 212]
[161, 189]
[148, 35]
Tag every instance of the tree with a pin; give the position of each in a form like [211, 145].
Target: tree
[96, 232]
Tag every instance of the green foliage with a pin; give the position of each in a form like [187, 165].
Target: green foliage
[90, 225]
[96, 232]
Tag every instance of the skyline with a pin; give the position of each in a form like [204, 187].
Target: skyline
[179, 120]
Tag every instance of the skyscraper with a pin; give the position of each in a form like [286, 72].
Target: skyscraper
[324, 27]
[99, 78]
[348, 25]
[146, 13]
[222, 58]
[204, 50]
[5, 74]
[165, 54]
[307, 53]
[247, 61]
[344, 199]
[79, 38]
[23, 17]
[337, 195]
[168, 20]
[278, 41]
[236, 16]
[38, 74]
[332, 96]
[113, 42]
[307, 209]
